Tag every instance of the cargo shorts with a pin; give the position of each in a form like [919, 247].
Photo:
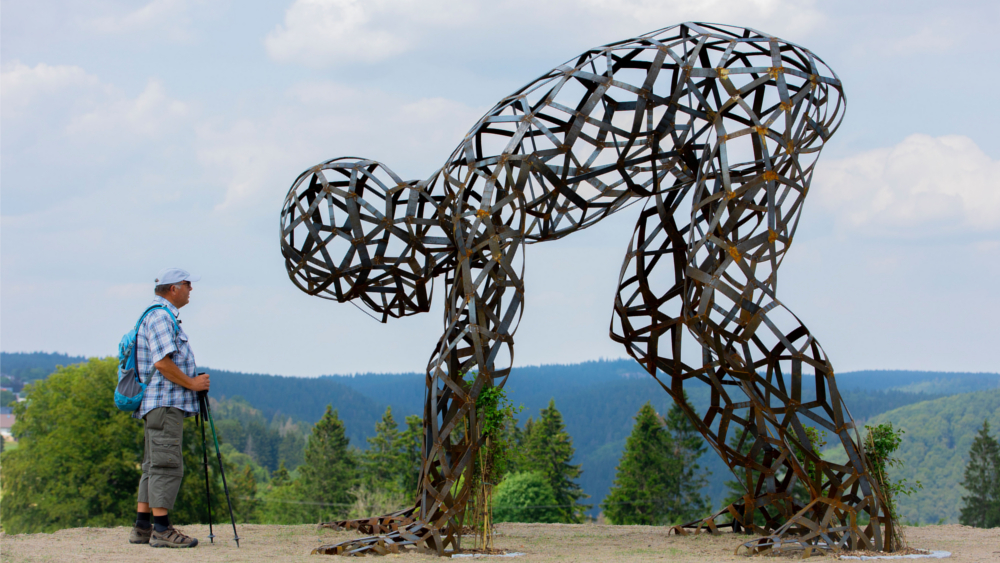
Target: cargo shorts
[162, 462]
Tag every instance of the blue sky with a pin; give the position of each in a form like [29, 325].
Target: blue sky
[136, 135]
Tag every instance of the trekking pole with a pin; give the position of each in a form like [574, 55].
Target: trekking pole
[225, 487]
[204, 452]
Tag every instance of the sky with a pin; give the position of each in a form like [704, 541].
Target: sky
[141, 135]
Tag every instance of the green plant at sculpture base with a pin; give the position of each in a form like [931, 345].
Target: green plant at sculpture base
[881, 442]
[495, 416]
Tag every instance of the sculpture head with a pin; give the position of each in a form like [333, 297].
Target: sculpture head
[352, 229]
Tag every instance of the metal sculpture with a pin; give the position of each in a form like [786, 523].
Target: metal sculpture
[717, 129]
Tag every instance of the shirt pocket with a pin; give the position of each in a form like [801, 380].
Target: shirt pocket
[166, 453]
[183, 353]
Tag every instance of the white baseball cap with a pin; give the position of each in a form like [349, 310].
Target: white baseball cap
[170, 276]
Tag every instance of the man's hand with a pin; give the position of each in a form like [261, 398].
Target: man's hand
[169, 369]
[199, 383]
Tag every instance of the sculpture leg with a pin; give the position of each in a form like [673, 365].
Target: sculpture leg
[484, 304]
[791, 398]
[767, 386]
[649, 320]
[752, 343]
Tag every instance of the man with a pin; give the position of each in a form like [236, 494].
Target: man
[166, 364]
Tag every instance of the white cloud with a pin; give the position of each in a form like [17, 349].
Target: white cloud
[924, 186]
[792, 15]
[149, 114]
[23, 86]
[48, 100]
[158, 16]
[64, 120]
[255, 159]
[322, 33]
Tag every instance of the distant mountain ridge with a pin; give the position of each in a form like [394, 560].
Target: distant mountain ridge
[29, 366]
[597, 398]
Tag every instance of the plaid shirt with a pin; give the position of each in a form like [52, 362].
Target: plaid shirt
[154, 341]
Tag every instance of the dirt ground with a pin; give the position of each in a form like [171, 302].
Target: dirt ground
[538, 542]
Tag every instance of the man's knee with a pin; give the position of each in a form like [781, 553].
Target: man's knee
[163, 490]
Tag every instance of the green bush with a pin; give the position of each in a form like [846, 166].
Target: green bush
[525, 497]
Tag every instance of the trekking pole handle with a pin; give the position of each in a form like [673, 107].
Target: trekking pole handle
[203, 403]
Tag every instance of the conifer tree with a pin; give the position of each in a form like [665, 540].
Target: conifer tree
[687, 502]
[411, 446]
[738, 488]
[284, 501]
[548, 449]
[330, 468]
[982, 480]
[280, 477]
[383, 463]
[244, 495]
[644, 482]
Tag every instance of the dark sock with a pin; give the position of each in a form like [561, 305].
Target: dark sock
[143, 520]
[160, 523]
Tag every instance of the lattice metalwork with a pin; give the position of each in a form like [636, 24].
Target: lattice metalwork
[717, 130]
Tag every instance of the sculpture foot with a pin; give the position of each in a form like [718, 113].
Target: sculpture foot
[395, 542]
[393, 533]
[739, 517]
[825, 525]
[376, 524]
[710, 525]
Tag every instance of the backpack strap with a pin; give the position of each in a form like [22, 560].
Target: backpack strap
[150, 309]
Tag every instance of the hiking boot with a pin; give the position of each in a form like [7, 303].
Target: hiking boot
[140, 535]
[171, 538]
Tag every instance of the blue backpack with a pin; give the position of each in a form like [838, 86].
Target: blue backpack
[131, 389]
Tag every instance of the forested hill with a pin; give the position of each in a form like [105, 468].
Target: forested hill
[29, 366]
[598, 401]
[302, 398]
[935, 450]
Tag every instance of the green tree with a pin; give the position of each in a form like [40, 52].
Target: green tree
[411, 444]
[743, 442]
[644, 483]
[292, 447]
[230, 431]
[881, 443]
[515, 437]
[284, 504]
[282, 501]
[280, 477]
[7, 398]
[330, 470]
[688, 445]
[548, 449]
[238, 459]
[78, 460]
[981, 508]
[525, 497]
[243, 491]
[383, 464]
